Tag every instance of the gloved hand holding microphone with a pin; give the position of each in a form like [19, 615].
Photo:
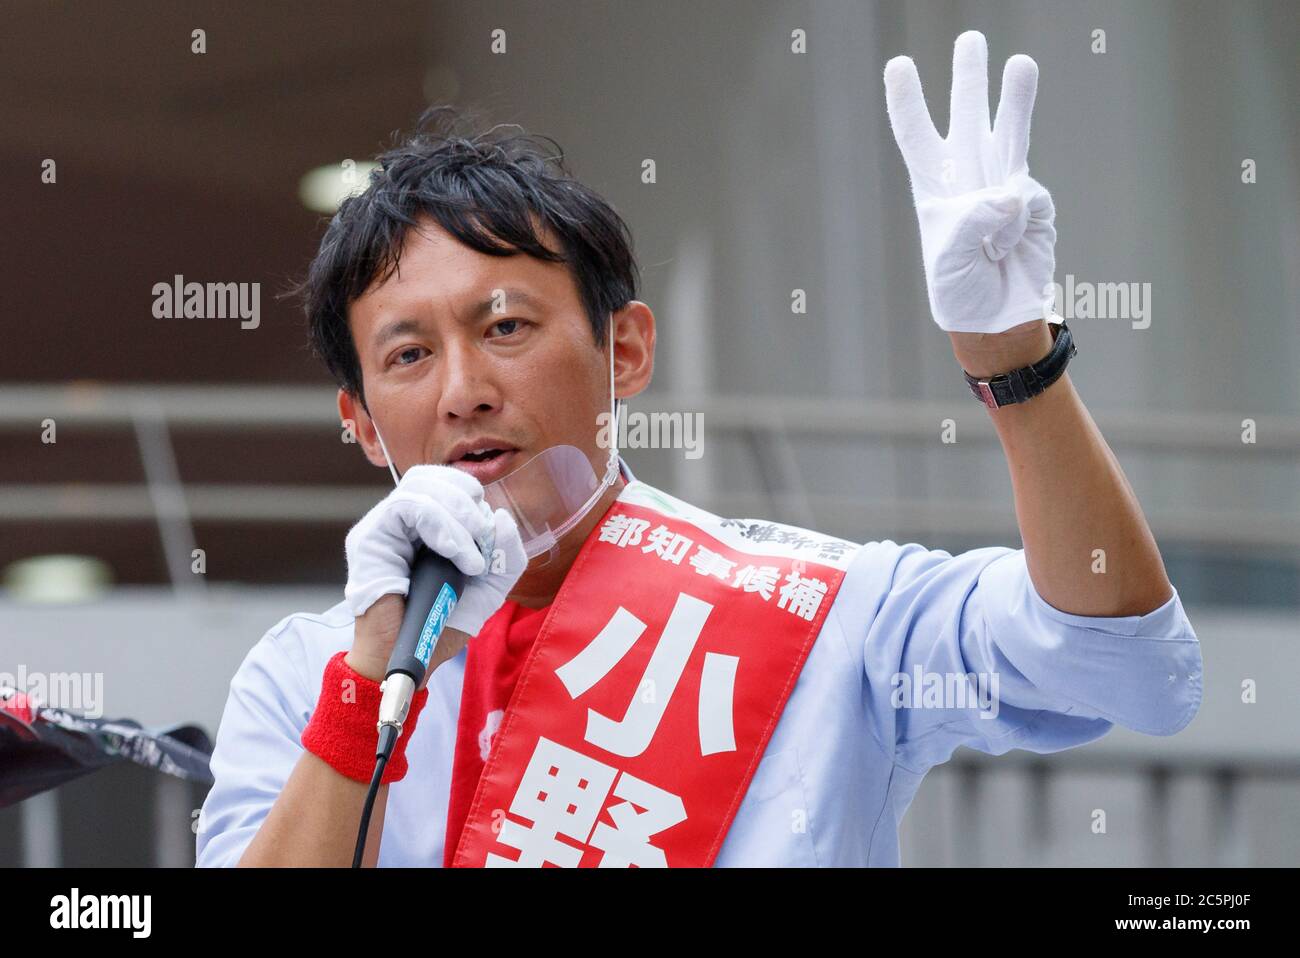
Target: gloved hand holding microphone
[434, 526]
[442, 509]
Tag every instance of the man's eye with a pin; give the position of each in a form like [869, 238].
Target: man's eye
[514, 325]
[408, 356]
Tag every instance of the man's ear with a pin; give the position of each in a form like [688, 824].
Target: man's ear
[356, 420]
[634, 349]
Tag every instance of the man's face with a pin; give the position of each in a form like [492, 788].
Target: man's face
[462, 352]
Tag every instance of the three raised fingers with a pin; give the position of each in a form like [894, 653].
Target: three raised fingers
[919, 141]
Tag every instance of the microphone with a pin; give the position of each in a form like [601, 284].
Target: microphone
[436, 587]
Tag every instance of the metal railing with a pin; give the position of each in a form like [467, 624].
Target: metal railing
[1225, 842]
[765, 423]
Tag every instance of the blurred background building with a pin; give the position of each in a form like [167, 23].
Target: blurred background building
[776, 172]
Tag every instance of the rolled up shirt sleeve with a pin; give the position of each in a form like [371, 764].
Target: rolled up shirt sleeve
[1051, 680]
[258, 745]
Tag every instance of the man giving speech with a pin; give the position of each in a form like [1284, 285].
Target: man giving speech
[629, 680]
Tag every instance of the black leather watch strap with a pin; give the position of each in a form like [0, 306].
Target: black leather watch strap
[1027, 382]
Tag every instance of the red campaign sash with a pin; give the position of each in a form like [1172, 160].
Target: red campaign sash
[652, 689]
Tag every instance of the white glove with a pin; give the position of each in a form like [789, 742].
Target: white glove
[444, 509]
[986, 225]
[486, 592]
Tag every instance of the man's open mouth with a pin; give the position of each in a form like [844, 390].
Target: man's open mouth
[484, 456]
[487, 463]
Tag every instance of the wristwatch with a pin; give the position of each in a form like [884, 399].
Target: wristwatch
[1026, 382]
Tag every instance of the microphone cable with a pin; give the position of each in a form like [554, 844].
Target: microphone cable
[436, 587]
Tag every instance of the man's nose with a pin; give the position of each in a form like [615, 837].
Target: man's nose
[467, 386]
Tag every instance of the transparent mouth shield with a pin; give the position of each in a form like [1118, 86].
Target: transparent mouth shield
[550, 493]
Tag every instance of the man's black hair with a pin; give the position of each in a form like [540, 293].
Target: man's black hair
[491, 190]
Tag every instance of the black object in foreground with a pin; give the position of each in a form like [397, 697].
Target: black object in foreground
[43, 747]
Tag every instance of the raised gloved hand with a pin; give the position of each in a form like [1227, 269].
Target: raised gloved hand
[444, 509]
[987, 233]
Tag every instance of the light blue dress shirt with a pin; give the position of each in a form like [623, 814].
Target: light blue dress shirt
[843, 763]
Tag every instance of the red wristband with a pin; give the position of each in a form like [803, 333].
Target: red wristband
[344, 731]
